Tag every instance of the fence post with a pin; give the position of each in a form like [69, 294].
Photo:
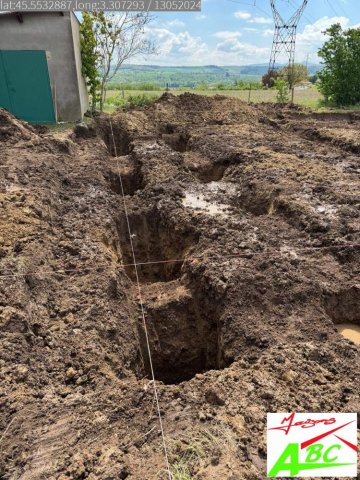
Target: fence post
[250, 93]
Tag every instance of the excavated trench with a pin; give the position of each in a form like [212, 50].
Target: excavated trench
[115, 136]
[343, 307]
[183, 333]
[128, 173]
[175, 138]
[160, 247]
[211, 173]
[182, 321]
[206, 170]
[177, 141]
[258, 199]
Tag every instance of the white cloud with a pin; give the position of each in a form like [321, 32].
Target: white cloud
[175, 23]
[261, 20]
[175, 48]
[314, 33]
[268, 32]
[312, 37]
[242, 15]
[226, 35]
[185, 49]
[236, 52]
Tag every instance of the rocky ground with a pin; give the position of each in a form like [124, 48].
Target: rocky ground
[244, 222]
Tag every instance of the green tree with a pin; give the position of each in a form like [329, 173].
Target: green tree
[294, 74]
[89, 57]
[339, 80]
[119, 37]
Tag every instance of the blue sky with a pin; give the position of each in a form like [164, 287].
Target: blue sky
[229, 32]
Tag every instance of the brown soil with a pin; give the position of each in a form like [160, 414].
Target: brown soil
[245, 222]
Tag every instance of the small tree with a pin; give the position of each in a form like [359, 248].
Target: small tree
[119, 37]
[339, 80]
[282, 88]
[89, 57]
[294, 74]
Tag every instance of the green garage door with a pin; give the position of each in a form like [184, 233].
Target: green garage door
[25, 85]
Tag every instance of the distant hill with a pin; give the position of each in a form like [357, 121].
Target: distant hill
[190, 77]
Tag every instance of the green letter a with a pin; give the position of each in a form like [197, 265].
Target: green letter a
[292, 451]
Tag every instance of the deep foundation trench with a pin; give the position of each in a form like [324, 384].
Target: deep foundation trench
[182, 321]
[182, 317]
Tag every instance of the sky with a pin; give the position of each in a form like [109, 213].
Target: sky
[236, 32]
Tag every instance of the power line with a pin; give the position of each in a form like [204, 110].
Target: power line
[254, 4]
[343, 9]
[332, 7]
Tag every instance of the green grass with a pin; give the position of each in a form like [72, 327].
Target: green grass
[130, 99]
[184, 458]
[189, 455]
[64, 126]
[180, 472]
[309, 97]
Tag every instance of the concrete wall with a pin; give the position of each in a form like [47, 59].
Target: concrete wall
[59, 36]
[84, 98]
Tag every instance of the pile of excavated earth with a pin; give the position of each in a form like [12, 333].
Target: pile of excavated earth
[244, 225]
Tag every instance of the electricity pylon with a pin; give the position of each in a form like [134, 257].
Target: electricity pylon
[285, 36]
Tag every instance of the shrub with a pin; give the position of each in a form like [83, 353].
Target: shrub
[282, 89]
[268, 80]
[132, 101]
[295, 74]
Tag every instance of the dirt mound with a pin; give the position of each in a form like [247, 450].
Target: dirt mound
[172, 119]
[189, 108]
[245, 231]
[13, 130]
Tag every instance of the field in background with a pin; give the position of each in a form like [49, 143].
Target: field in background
[190, 77]
[309, 97]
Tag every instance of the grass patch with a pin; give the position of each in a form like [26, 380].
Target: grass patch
[206, 446]
[147, 87]
[329, 106]
[184, 460]
[130, 100]
[141, 100]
